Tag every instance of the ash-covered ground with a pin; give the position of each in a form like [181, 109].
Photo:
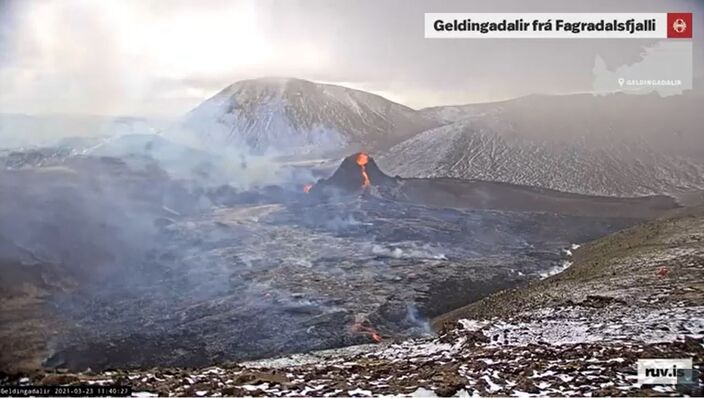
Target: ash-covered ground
[631, 295]
[115, 264]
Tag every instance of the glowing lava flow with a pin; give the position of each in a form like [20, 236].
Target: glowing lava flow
[362, 160]
[307, 187]
[358, 327]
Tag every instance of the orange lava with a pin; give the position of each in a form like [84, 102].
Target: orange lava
[307, 187]
[362, 159]
[358, 327]
[376, 337]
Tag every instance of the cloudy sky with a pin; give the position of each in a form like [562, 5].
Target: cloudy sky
[161, 58]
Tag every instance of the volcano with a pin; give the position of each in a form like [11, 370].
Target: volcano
[360, 174]
[352, 176]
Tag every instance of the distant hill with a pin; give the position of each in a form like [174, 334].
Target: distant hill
[607, 145]
[293, 116]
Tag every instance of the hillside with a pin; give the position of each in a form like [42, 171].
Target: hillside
[293, 116]
[606, 145]
[656, 265]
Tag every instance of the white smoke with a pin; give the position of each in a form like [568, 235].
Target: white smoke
[410, 250]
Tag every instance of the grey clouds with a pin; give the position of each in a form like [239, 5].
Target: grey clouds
[162, 58]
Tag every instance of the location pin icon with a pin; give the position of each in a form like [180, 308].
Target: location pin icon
[621, 81]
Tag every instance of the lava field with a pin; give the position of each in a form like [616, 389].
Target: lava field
[360, 257]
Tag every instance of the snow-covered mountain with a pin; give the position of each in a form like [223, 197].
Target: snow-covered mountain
[293, 116]
[611, 145]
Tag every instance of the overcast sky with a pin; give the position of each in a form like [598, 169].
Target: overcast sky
[161, 58]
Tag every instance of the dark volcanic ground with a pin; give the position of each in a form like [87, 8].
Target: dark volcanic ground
[114, 264]
[577, 333]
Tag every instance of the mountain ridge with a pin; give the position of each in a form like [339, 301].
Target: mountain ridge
[603, 145]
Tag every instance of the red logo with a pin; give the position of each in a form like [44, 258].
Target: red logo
[679, 25]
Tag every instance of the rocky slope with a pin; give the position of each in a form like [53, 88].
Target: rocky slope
[657, 266]
[293, 116]
[606, 145]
